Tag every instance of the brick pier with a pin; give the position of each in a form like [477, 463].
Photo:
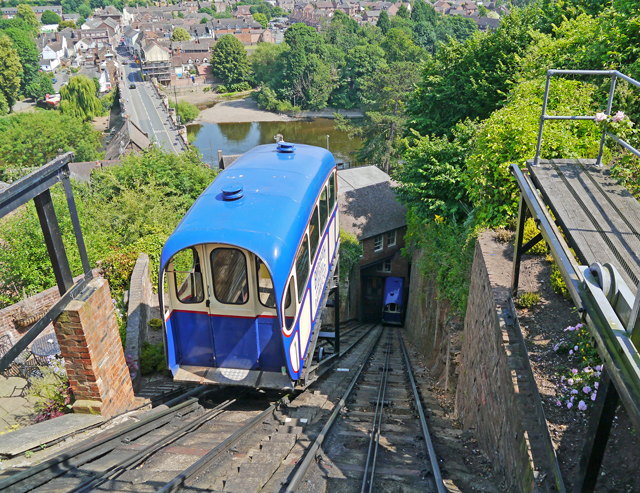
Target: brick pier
[87, 332]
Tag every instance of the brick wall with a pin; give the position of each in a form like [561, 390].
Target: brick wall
[486, 397]
[37, 304]
[87, 332]
[140, 293]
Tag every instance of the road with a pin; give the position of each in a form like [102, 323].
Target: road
[146, 110]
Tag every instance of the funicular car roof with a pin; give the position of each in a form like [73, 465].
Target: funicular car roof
[280, 191]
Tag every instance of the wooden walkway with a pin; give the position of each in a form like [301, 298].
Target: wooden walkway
[600, 218]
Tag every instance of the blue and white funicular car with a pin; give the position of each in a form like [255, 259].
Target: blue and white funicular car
[246, 270]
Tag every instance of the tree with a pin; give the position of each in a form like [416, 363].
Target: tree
[384, 98]
[50, 17]
[229, 60]
[84, 10]
[96, 83]
[204, 20]
[31, 139]
[482, 11]
[482, 69]
[208, 10]
[261, 19]
[10, 74]
[28, 53]
[181, 15]
[399, 47]
[432, 173]
[25, 12]
[423, 12]
[180, 34]
[71, 24]
[403, 12]
[383, 22]
[39, 87]
[78, 98]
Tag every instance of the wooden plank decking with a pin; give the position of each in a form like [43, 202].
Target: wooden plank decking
[600, 218]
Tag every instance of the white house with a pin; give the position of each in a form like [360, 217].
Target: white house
[56, 50]
[49, 65]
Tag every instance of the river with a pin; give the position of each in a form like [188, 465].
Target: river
[238, 138]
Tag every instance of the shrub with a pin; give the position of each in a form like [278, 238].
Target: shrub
[155, 324]
[186, 110]
[557, 282]
[530, 232]
[510, 135]
[527, 300]
[152, 358]
[350, 253]
[51, 391]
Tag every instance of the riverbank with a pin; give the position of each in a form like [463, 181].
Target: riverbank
[247, 110]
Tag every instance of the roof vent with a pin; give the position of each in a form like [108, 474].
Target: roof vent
[286, 147]
[232, 191]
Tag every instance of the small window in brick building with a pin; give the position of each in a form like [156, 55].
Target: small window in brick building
[391, 238]
[377, 243]
[384, 266]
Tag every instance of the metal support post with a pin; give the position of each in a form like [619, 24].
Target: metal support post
[597, 435]
[517, 247]
[536, 160]
[336, 317]
[75, 221]
[53, 240]
[612, 90]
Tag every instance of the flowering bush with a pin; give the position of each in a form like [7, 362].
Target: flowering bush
[52, 391]
[578, 386]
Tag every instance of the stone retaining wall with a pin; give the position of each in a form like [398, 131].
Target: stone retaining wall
[140, 292]
[486, 396]
[474, 365]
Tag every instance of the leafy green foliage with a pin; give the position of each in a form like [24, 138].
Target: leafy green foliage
[557, 282]
[24, 44]
[350, 253]
[155, 324]
[126, 210]
[78, 98]
[383, 22]
[152, 358]
[180, 34]
[470, 79]
[39, 87]
[186, 111]
[26, 13]
[384, 97]
[71, 24]
[431, 175]
[229, 60]
[10, 74]
[50, 17]
[528, 300]
[261, 19]
[447, 254]
[530, 232]
[32, 139]
[510, 134]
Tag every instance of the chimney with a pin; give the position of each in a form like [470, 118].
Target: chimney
[57, 37]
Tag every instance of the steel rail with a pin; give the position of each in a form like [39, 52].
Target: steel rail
[435, 467]
[374, 438]
[179, 481]
[143, 454]
[90, 450]
[333, 359]
[311, 454]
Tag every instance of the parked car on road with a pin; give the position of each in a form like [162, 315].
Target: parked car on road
[54, 80]
[132, 86]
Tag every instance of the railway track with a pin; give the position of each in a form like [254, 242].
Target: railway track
[226, 439]
[377, 438]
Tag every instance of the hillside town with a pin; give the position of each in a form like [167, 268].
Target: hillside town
[146, 32]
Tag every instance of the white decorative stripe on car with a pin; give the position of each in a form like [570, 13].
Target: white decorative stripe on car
[294, 355]
[305, 323]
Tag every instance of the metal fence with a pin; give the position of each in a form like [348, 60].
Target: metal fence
[36, 186]
[615, 75]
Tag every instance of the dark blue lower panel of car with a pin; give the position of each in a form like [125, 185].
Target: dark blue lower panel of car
[392, 318]
[228, 342]
[271, 354]
[193, 338]
[236, 340]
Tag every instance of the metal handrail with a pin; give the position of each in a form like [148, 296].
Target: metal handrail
[36, 186]
[615, 75]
